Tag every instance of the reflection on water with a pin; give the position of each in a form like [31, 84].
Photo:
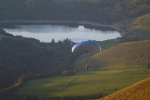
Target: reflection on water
[45, 33]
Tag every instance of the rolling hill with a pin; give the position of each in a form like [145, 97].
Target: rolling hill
[142, 22]
[126, 55]
[137, 91]
[141, 26]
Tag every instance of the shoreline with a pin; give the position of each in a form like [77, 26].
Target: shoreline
[84, 23]
[93, 24]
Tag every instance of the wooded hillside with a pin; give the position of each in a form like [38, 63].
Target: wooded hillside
[27, 56]
[130, 8]
[90, 10]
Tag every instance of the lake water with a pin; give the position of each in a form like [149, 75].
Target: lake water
[45, 33]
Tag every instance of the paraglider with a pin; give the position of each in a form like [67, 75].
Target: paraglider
[86, 67]
[85, 43]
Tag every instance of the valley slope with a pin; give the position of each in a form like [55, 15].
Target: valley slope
[126, 55]
[137, 91]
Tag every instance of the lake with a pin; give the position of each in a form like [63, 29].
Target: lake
[45, 33]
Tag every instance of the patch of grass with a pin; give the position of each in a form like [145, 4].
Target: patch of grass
[145, 34]
[107, 44]
[44, 87]
[89, 82]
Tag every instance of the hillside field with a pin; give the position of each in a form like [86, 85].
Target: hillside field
[125, 55]
[85, 83]
[137, 91]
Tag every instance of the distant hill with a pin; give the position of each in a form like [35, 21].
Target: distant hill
[141, 25]
[126, 55]
[142, 22]
[137, 91]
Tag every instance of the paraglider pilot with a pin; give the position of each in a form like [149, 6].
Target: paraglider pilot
[86, 67]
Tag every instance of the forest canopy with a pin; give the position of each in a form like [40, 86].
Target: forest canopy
[77, 10]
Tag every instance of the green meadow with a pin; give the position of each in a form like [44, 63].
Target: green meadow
[85, 83]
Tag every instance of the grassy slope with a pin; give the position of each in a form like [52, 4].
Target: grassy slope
[138, 91]
[89, 82]
[141, 25]
[126, 55]
[44, 87]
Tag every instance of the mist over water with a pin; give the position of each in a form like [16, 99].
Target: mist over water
[45, 33]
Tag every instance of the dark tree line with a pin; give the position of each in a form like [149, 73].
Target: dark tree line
[9, 96]
[31, 58]
[50, 10]
[130, 8]
[104, 11]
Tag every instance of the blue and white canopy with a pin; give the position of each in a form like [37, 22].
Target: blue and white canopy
[83, 43]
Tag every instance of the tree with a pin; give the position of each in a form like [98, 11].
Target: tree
[149, 65]
[53, 41]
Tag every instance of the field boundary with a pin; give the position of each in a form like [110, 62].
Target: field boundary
[66, 85]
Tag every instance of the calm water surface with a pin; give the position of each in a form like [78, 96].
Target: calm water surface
[45, 33]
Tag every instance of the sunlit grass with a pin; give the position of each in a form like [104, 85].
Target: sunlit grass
[89, 82]
[127, 55]
[44, 87]
[137, 91]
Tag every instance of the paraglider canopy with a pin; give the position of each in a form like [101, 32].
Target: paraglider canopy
[83, 43]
